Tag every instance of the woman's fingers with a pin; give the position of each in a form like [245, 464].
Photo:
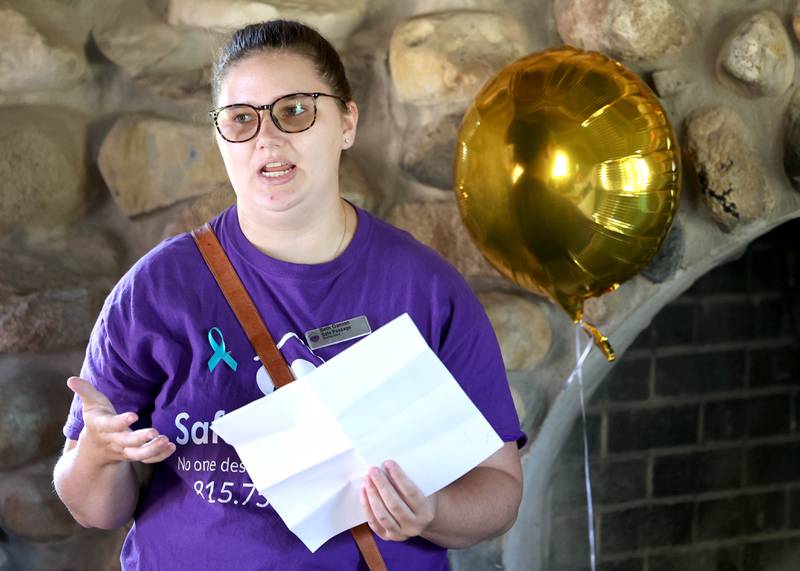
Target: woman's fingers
[154, 451]
[98, 412]
[132, 439]
[111, 435]
[91, 397]
[391, 513]
[408, 490]
[113, 423]
[163, 455]
[382, 522]
[372, 521]
[395, 507]
[391, 499]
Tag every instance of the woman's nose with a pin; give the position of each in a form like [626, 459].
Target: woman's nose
[268, 133]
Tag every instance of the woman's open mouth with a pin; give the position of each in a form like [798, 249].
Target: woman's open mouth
[276, 172]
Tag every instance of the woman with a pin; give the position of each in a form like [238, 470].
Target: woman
[167, 356]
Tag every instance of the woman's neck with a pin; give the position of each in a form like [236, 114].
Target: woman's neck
[300, 238]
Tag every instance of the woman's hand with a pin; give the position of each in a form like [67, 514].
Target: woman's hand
[396, 509]
[482, 503]
[107, 437]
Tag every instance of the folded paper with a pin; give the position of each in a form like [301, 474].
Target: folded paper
[308, 446]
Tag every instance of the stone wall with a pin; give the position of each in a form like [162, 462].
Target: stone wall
[106, 150]
[694, 434]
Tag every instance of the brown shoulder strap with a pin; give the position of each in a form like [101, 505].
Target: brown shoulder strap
[242, 305]
[247, 314]
[368, 547]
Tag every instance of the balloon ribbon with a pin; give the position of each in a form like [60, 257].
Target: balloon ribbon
[578, 372]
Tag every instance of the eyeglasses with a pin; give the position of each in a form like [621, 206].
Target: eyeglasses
[292, 113]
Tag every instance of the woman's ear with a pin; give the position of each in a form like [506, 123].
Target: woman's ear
[349, 125]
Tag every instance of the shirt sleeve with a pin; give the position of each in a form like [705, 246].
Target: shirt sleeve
[470, 351]
[122, 358]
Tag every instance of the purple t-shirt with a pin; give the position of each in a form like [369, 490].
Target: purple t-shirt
[153, 350]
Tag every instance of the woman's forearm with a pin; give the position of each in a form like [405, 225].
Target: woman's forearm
[97, 495]
[480, 505]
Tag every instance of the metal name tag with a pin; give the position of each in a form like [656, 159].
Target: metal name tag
[338, 332]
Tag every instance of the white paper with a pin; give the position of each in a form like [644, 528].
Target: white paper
[308, 446]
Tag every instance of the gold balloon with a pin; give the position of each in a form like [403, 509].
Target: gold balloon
[567, 174]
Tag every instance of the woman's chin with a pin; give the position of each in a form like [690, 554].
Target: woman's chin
[272, 201]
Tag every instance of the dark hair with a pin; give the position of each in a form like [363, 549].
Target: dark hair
[286, 35]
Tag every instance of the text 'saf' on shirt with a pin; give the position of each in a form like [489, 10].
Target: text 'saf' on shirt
[149, 353]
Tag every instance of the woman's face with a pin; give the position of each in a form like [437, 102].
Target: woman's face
[256, 167]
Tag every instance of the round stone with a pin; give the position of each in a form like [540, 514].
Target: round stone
[635, 30]
[30, 508]
[429, 159]
[135, 39]
[446, 57]
[796, 20]
[521, 328]
[668, 258]
[759, 55]
[670, 82]
[334, 19]
[29, 62]
[439, 225]
[48, 320]
[32, 411]
[149, 162]
[52, 288]
[729, 175]
[791, 149]
[86, 549]
[42, 166]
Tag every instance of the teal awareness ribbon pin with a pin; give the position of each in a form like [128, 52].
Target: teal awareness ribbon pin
[219, 351]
